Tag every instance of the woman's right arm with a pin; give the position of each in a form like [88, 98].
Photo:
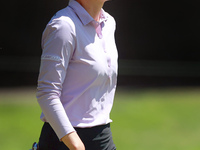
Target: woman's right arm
[58, 47]
[73, 141]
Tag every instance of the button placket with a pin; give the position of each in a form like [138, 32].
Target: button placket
[99, 32]
[98, 28]
[109, 62]
[104, 45]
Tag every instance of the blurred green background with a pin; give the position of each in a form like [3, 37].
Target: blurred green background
[148, 118]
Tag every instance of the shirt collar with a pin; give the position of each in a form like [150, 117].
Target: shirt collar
[83, 15]
[103, 16]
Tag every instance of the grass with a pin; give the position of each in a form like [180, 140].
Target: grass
[19, 119]
[147, 119]
[157, 119]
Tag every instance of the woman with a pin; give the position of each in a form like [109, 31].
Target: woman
[77, 79]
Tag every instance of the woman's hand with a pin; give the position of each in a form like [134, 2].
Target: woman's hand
[73, 141]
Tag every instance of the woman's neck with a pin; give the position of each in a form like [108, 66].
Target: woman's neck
[93, 7]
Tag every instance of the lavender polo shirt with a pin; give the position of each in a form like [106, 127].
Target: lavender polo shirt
[78, 72]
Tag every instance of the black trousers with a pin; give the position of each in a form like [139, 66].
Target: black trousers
[95, 138]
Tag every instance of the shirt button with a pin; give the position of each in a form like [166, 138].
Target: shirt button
[103, 99]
